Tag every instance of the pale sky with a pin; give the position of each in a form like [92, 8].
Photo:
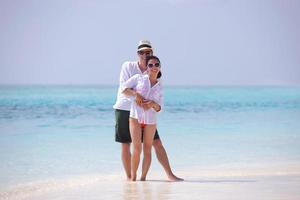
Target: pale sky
[204, 42]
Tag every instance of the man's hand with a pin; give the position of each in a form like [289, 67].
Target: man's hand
[139, 99]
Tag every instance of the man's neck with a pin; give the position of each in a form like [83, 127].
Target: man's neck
[142, 66]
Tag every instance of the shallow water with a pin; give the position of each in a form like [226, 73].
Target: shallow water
[63, 131]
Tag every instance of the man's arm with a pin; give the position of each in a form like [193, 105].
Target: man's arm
[130, 92]
[124, 74]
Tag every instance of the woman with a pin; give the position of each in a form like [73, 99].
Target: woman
[147, 90]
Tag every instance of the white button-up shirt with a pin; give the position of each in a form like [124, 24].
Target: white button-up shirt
[128, 70]
[141, 84]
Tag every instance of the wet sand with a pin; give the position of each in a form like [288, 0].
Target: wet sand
[199, 184]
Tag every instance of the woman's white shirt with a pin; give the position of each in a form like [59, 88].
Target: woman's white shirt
[141, 84]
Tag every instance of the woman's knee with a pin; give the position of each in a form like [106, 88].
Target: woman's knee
[147, 148]
[137, 148]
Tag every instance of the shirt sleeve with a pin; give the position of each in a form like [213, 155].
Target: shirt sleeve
[161, 98]
[130, 83]
[124, 74]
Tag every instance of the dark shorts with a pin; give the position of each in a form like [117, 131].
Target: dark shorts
[122, 133]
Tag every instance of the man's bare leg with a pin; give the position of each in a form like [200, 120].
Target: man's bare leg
[126, 159]
[162, 157]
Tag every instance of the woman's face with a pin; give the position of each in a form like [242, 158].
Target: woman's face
[153, 67]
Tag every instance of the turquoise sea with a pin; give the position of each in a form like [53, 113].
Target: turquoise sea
[64, 131]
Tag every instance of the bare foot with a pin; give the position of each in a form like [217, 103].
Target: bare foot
[133, 178]
[143, 178]
[174, 178]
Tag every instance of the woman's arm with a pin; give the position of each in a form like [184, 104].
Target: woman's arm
[131, 92]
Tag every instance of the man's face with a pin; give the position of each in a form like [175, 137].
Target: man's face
[144, 53]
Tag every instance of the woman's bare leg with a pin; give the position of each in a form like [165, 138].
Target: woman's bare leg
[136, 134]
[148, 137]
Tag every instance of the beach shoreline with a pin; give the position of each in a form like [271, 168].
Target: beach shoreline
[276, 183]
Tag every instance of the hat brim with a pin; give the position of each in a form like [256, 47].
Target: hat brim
[145, 48]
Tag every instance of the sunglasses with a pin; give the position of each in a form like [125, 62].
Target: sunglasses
[152, 65]
[144, 52]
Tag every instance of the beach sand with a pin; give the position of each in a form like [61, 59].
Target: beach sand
[219, 183]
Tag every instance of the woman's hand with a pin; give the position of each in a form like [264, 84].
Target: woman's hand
[147, 104]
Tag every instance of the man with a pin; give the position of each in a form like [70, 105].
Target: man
[122, 111]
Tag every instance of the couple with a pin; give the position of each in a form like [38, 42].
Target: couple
[139, 98]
